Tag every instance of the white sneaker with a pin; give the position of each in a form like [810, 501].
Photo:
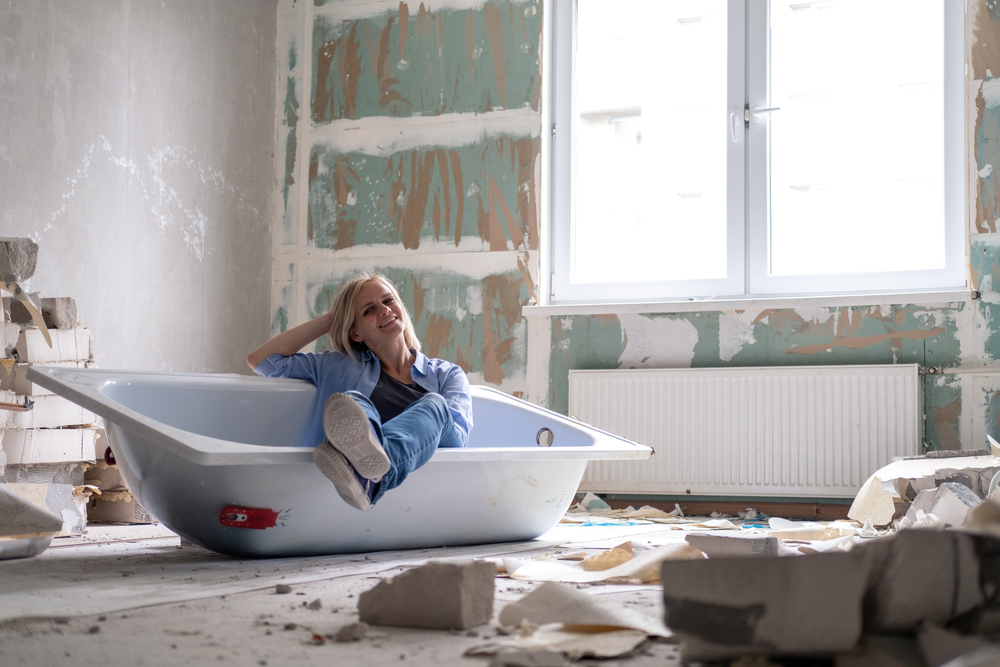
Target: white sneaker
[352, 487]
[350, 433]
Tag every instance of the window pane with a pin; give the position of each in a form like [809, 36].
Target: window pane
[651, 131]
[857, 150]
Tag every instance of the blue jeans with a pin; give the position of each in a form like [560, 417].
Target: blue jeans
[411, 437]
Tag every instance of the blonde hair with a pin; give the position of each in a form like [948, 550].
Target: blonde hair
[343, 310]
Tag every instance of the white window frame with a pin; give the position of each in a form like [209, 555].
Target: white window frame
[747, 215]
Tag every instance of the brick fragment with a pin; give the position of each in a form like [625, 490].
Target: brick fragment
[59, 312]
[920, 576]
[450, 595]
[18, 257]
[727, 607]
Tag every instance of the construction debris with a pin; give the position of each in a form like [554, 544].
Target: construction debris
[724, 608]
[950, 502]
[873, 503]
[720, 545]
[452, 595]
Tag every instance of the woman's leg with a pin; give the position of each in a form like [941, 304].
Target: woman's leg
[352, 455]
[411, 438]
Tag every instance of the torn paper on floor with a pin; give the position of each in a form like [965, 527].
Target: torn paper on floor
[644, 568]
[556, 603]
[569, 621]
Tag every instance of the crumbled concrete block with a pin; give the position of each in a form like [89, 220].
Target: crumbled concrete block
[19, 313]
[716, 545]
[18, 257]
[59, 312]
[950, 502]
[727, 607]
[72, 345]
[939, 645]
[352, 632]
[920, 576]
[450, 595]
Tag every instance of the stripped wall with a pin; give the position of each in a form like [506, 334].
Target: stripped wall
[408, 143]
[415, 151]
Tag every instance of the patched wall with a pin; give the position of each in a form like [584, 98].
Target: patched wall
[409, 144]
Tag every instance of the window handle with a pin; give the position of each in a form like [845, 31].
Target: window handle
[758, 112]
[732, 125]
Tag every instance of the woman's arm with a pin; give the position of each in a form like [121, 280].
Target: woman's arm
[291, 341]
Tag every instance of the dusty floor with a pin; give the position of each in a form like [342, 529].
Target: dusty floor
[134, 596]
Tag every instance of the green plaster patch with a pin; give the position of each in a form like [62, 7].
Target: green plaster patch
[581, 342]
[485, 190]
[413, 62]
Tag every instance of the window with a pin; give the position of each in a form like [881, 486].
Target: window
[756, 147]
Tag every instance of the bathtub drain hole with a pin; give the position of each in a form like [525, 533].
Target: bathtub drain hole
[544, 437]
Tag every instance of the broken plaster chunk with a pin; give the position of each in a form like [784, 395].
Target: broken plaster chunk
[727, 607]
[872, 502]
[716, 546]
[952, 503]
[59, 312]
[452, 595]
[352, 632]
[282, 589]
[18, 257]
[920, 576]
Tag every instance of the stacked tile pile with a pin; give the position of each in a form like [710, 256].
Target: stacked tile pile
[43, 450]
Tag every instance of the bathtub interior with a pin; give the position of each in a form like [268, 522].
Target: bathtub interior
[260, 412]
[237, 411]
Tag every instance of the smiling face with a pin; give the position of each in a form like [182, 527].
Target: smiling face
[378, 316]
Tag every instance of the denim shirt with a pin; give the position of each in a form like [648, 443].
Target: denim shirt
[334, 372]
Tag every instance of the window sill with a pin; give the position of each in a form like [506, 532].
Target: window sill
[749, 303]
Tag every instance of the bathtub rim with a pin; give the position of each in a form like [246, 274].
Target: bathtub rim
[83, 387]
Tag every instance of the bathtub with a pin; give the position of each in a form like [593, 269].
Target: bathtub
[221, 460]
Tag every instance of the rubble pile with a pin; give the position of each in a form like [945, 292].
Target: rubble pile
[47, 443]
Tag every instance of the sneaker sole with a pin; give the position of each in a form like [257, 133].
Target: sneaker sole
[349, 431]
[335, 467]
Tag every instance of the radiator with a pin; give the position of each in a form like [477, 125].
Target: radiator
[802, 431]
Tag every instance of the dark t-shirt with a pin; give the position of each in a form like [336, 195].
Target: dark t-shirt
[391, 396]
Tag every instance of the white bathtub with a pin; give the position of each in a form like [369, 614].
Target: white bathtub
[220, 459]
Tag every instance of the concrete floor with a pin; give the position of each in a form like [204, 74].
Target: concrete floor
[133, 595]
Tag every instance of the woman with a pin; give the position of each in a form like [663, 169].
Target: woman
[385, 406]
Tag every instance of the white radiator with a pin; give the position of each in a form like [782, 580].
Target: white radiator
[794, 431]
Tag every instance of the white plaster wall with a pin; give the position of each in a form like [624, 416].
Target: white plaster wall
[136, 148]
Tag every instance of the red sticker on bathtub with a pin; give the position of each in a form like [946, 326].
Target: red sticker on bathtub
[248, 517]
